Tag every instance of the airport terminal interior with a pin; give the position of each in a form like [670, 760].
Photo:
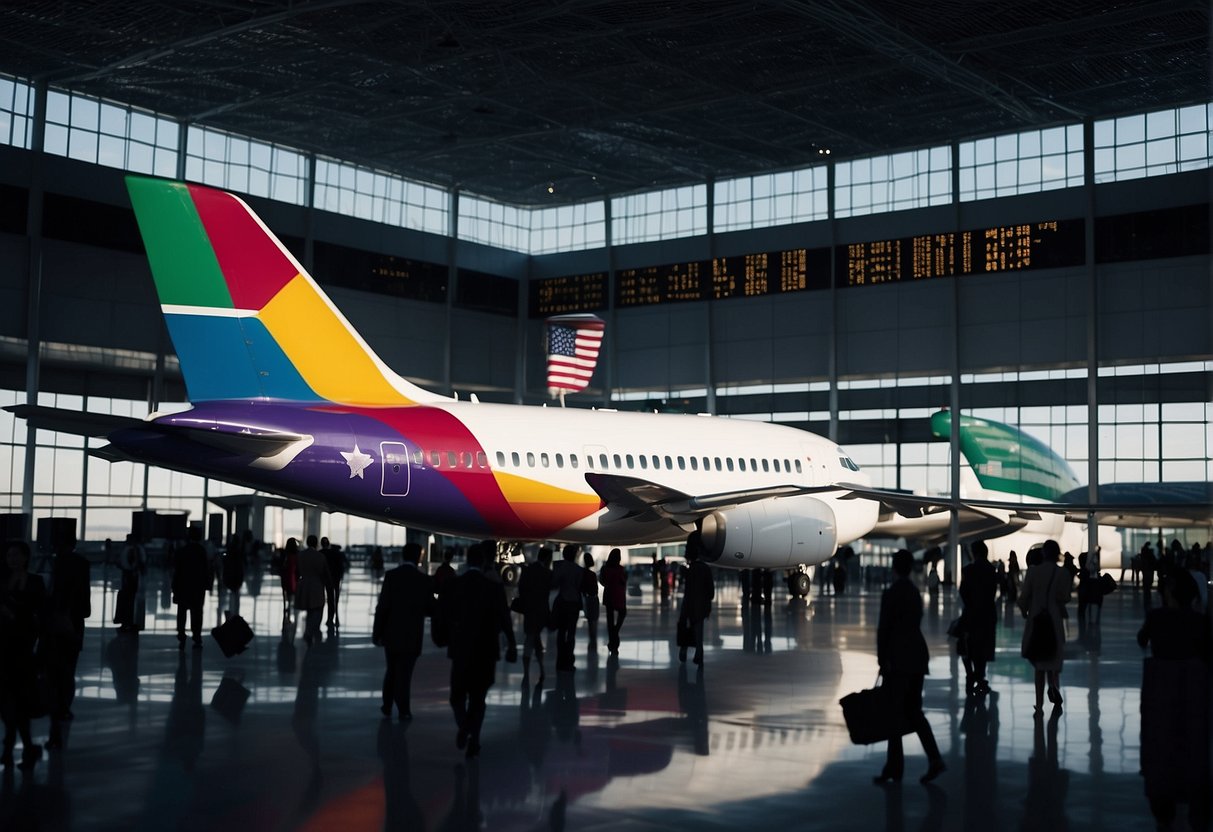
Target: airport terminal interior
[846, 218]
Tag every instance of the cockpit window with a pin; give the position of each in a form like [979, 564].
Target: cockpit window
[847, 462]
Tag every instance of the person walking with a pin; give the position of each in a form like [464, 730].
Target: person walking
[978, 586]
[902, 654]
[21, 598]
[614, 580]
[314, 580]
[191, 577]
[477, 615]
[288, 573]
[405, 602]
[128, 612]
[335, 558]
[1042, 600]
[62, 635]
[566, 581]
[698, 592]
[533, 589]
[590, 602]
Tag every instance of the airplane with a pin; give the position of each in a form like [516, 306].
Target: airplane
[1016, 492]
[286, 397]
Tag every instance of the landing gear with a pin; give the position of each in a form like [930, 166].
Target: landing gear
[510, 573]
[799, 584]
[510, 558]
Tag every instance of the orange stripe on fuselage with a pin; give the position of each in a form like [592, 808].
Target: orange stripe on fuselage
[323, 350]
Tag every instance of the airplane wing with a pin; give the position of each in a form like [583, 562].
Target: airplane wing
[640, 498]
[265, 445]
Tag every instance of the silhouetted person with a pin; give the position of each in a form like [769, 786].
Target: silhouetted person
[1148, 565]
[233, 571]
[444, 575]
[191, 576]
[335, 558]
[1046, 588]
[314, 580]
[614, 580]
[22, 596]
[288, 572]
[405, 602]
[1014, 577]
[477, 616]
[978, 586]
[590, 601]
[1175, 704]
[128, 611]
[566, 607]
[902, 653]
[696, 598]
[533, 588]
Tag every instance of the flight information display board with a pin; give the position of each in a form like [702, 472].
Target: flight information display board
[1037, 245]
[566, 295]
[739, 276]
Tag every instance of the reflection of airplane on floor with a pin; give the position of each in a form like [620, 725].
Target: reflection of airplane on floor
[289, 399]
[1016, 492]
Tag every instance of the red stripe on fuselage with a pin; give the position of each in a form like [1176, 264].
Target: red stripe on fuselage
[253, 266]
[431, 429]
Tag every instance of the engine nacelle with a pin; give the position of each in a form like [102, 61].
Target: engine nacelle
[770, 534]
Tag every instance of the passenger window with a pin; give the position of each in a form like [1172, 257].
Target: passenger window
[643, 462]
[787, 466]
[682, 463]
[740, 464]
[467, 459]
[543, 460]
[602, 459]
[500, 459]
[618, 462]
[514, 459]
[418, 457]
[798, 470]
[482, 460]
[753, 464]
[573, 460]
[718, 465]
[559, 460]
[766, 466]
[435, 459]
[530, 459]
[728, 463]
[656, 461]
[694, 463]
[669, 463]
[777, 466]
[631, 462]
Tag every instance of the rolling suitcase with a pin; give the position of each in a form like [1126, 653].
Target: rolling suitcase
[233, 635]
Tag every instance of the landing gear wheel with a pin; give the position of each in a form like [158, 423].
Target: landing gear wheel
[800, 585]
[510, 574]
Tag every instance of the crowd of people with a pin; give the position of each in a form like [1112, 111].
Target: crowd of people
[468, 613]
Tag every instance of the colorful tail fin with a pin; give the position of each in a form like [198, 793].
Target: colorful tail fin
[1008, 460]
[247, 320]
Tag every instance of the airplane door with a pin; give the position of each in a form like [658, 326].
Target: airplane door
[396, 474]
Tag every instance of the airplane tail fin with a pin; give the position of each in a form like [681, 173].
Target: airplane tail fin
[1007, 460]
[246, 319]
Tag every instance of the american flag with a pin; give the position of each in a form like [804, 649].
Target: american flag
[573, 343]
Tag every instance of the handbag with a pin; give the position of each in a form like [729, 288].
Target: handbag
[1042, 646]
[959, 631]
[873, 715]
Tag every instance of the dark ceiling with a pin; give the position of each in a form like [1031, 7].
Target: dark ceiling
[606, 96]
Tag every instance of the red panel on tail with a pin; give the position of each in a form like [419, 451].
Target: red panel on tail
[253, 266]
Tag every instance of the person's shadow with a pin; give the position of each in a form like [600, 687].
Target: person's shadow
[895, 815]
[401, 810]
[1045, 804]
[286, 646]
[317, 662]
[122, 656]
[564, 710]
[980, 728]
[464, 815]
[692, 699]
[534, 726]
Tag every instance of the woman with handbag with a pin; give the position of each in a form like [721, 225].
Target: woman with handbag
[902, 653]
[1042, 600]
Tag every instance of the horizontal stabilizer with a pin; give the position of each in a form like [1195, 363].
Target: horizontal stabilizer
[73, 421]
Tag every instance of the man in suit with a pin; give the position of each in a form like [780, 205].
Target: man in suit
[191, 577]
[477, 614]
[902, 653]
[405, 602]
[63, 632]
[566, 608]
[978, 585]
[697, 598]
[335, 558]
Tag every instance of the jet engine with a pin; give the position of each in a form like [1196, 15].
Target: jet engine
[774, 533]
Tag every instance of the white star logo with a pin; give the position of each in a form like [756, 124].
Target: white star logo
[358, 462]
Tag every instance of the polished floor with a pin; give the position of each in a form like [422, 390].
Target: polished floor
[167, 740]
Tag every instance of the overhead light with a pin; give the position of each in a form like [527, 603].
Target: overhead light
[823, 151]
[551, 188]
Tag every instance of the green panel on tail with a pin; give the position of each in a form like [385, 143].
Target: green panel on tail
[1008, 460]
[178, 249]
